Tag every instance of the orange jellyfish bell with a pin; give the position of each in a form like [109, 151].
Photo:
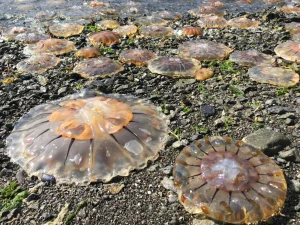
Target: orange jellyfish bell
[88, 137]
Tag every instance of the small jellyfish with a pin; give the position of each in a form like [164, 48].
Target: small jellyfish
[169, 16]
[11, 32]
[103, 38]
[31, 37]
[88, 137]
[65, 29]
[89, 52]
[251, 57]
[150, 20]
[155, 31]
[37, 63]
[293, 27]
[96, 4]
[212, 22]
[50, 46]
[139, 57]
[289, 9]
[98, 67]
[229, 181]
[107, 24]
[191, 31]
[205, 11]
[289, 50]
[242, 22]
[274, 75]
[126, 30]
[174, 66]
[204, 50]
[204, 73]
[109, 13]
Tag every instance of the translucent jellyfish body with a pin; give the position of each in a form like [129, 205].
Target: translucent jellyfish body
[139, 57]
[88, 52]
[126, 30]
[274, 75]
[204, 50]
[108, 24]
[98, 67]
[251, 57]
[293, 27]
[11, 32]
[212, 22]
[150, 20]
[31, 37]
[155, 31]
[289, 50]
[103, 38]
[65, 29]
[174, 66]
[204, 73]
[229, 181]
[50, 46]
[191, 31]
[243, 22]
[88, 137]
[169, 16]
[289, 9]
[37, 63]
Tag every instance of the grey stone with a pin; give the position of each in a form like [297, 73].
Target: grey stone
[42, 80]
[62, 90]
[180, 143]
[270, 102]
[268, 141]
[287, 115]
[168, 184]
[296, 185]
[183, 82]
[167, 170]
[207, 110]
[20, 176]
[288, 155]
[152, 168]
[277, 110]
[203, 222]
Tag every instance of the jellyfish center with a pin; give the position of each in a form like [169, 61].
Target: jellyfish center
[83, 119]
[228, 172]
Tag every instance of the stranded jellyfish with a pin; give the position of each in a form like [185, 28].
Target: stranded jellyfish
[108, 24]
[191, 31]
[11, 32]
[103, 38]
[88, 137]
[251, 57]
[289, 50]
[274, 75]
[174, 66]
[126, 30]
[229, 181]
[88, 52]
[98, 67]
[242, 22]
[289, 9]
[139, 57]
[293, 27]
[150, 20]
[155, 31]
[37, 63]
[65, 29]
[169, 16]
[31, 37]
[204, 73]
[212, 22]
[204, 50]
[50, 46]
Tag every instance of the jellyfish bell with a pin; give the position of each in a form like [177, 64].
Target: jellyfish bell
[87, 137]
[89, 52]
[169, 16]
[103, 38]
[212, 21]
[229, 181]
[139, 57]
[191, 31]
[155, 31]
[250, 57]
[242, 22]
[108, 24]
[126, 30]
[65, 29]
[289, 50]
[150, 20]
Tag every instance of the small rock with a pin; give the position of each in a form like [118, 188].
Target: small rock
[13, 213]
[48, 178]
[32, 197]
[277, 110]
[296, 185]
[152, 168]
[62, 90]
[42, 80]
[3, 172]
[167, 170]
[82, 213]
[183, 82]
[203, 222]
[207, 110]
[180, 143]
[168, 184]
[114, 188]
[287, 115]
[172, 197]
[289, 121]
[270, 102]
[20, 176]
[268, 141]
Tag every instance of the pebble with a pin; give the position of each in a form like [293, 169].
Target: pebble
[167, 170]
[20, 177]
[296, 185]
[207, 110]
[180, 143]
[62, 90]
[168, 184]
[203, 222]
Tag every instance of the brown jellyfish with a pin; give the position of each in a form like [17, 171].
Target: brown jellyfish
[98, 67]
[103, 38]
[37, 63]
[293, 27]
[204, 50]
[242, 22]
[31, 37]
[65, 29]
[204, 73]
[169, 16]
[191, 31]
[50, 46]
[150, 20]
[109, 13]
[205, 11]
[11, 32]
[174, 66]
[250, 57]
[289, 9]
[139, 57]
[274, 75]
[127, 30]
[289, 50]
[108, 24]
[88, 137]
[155, 31]
[229, 181]
[212, 22]
[89, 52]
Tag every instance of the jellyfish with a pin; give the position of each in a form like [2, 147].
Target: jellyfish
[139, 57]
[293, 27]
[103, 38]
[274, 75]
[242, 22]
[65, 29]
[50, 46]
[89, 52]
[11, 32]
[212, 22]
[155, 31]
[191, 31]
[205, 11]
[251, 57]
[37, 63]
[31, 37]
[289, 9]
[126, 30]
[204, 50]
[204, 73]
[169, 16]
[228, 180]
[108, 24]
[150, 20]
[174, 66]
[289, 50]
[97, 67]
[88, 137]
